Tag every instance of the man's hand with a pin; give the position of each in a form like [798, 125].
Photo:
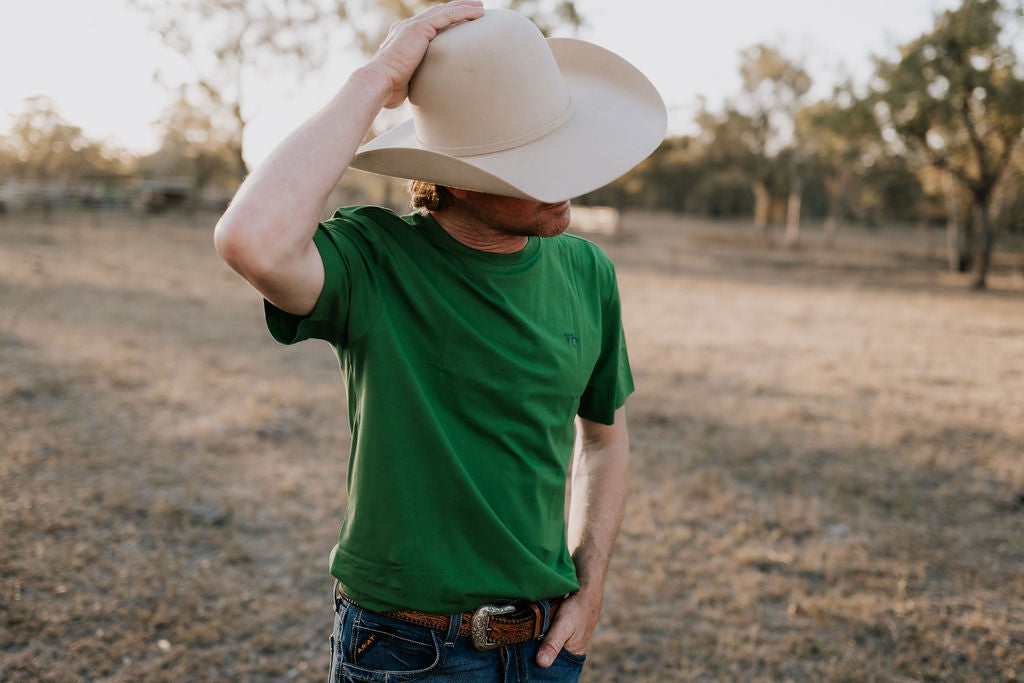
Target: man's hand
[598, 498]
[406, 43]
[266, 234]
[571, 628]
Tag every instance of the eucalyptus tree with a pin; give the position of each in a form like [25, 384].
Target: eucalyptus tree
[774, 89]
[842, 140]
[43, 145]
[191, 146]
[955, 100]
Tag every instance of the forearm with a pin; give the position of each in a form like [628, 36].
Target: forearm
[266, 234]
[599, 486]
[277, 208]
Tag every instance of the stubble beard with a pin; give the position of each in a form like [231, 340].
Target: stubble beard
[546, 223]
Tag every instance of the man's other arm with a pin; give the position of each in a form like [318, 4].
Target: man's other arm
[599, 485]
[266, 235]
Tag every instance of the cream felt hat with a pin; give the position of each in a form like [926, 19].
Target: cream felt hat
[497, 108]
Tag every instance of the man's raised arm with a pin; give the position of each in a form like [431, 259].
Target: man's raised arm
[266, 235]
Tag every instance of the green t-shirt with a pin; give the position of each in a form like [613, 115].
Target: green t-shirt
[464, 372]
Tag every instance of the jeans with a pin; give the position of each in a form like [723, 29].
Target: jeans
[367, 646]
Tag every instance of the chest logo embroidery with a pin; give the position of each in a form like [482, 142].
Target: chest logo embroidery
[571, 339]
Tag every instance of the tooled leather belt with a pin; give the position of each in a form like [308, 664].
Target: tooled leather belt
[488, 626]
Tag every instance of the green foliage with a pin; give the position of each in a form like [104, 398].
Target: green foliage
[44, 146]
[722, 193]
[730, 140]
[1010, 215]
[840, 132]
[193, 146]
[955, 99]
[850, 162]
[672, 178]
[773, 91]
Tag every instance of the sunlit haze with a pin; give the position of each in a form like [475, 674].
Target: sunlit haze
[96, 59]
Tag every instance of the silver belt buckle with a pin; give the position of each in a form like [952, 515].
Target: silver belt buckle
[479, 622]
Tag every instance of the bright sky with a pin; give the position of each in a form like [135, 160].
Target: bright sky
[96, 59]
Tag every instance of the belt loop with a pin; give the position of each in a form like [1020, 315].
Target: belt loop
[454, 626]
[545, 607]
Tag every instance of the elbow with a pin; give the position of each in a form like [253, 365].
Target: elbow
[227, 240]
[226, 236]
[250, 250]
[235, 244]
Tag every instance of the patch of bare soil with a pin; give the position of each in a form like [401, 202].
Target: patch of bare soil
[827, 457]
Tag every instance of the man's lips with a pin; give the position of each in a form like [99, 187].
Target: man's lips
[558, 206]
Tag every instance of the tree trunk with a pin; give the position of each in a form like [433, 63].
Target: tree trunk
[985, 242]
[956, 243]
[835, 188]
[925, 229]
[762, 203]
[792, 235]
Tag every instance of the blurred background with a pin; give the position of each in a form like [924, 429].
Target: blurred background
[822, 269]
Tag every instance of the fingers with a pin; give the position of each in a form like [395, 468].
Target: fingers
[450, 13]
[438, 17]
[571, 628]
[561, 630]
[407, 41]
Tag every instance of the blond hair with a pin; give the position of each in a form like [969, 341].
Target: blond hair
[430, 196]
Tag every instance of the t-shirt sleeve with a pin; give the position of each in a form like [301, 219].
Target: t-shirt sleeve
[611, 382]
[329, 318]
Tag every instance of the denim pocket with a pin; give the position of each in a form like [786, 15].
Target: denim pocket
[377, 648]
[572, 657]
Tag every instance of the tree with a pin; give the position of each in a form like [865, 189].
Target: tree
[231, 43]
[1010, 217]
[955, 100]
[773, 91]
[227, 42]
[42, 145]
[842, 141]
[56, 158]
[731, 156]
[192, 146]
[667, 179]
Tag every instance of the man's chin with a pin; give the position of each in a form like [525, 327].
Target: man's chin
[554, 229]
[554, 219]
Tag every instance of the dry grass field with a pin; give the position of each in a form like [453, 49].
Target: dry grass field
[828, 463]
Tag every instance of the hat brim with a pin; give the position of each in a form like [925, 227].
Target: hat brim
[619, 119]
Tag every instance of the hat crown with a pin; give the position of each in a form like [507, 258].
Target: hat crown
[487, 85]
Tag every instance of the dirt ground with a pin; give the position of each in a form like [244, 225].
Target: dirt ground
[827, 479]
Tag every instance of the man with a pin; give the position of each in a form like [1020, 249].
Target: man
[468, 343]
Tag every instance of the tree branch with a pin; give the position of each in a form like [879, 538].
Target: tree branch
[976, 143]
[943, 163]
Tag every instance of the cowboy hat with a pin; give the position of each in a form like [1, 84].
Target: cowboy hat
[497, 108]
